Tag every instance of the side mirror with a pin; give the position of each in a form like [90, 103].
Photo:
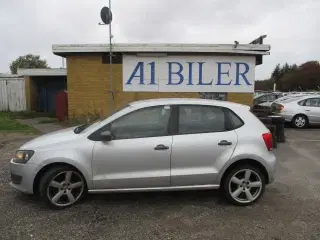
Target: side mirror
[106, 136]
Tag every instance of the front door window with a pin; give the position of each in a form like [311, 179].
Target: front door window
[143, 123]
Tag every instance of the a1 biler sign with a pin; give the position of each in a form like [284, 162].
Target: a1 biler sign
[189, 74]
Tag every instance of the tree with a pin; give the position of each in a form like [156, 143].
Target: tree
[281, 71]
[304, 77]
[264, 85]
[27, 61]
[276, 74]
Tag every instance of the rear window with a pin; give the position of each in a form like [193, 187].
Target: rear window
[234, 119]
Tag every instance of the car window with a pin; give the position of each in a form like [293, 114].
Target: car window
[146, 122]
[263, 99]
[234, 119]
[312, 102]
[201, 119]
[301, 103]
[271, 98]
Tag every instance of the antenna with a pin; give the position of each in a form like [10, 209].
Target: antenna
[106, 18]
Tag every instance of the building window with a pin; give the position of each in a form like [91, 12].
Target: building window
[214, 96]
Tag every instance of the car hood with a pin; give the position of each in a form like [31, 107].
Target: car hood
[51, 138]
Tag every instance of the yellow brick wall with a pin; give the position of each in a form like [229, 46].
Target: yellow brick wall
[243, 98]
[87, 80]
[88, 87]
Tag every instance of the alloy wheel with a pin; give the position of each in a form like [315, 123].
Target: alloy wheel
[65, 188]
[245, 186]
[300, 121]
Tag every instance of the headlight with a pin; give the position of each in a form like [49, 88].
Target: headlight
[23, 156]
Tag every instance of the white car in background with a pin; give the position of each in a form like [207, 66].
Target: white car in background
[266, 99]
[300, 111]
[287, 97]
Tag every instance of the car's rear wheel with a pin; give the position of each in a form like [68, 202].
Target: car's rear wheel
[300, 121]
[62, 186]
[244, 185]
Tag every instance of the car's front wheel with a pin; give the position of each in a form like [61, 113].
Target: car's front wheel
[62, 186]
[244, 185]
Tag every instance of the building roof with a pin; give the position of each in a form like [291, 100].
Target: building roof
[42, 71]
[7, 75]
[247, 49]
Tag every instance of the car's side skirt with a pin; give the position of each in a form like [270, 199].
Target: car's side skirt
[176, 188]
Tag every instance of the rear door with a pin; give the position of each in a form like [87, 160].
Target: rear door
[201, 146]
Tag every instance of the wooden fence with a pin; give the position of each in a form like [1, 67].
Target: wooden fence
[12, 94]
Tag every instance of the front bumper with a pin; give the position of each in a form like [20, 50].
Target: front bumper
[287, 117]
[22, 176]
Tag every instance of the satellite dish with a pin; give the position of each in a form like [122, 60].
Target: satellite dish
[106, 15]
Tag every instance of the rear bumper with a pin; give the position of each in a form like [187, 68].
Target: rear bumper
[22, 176]
[271, 168]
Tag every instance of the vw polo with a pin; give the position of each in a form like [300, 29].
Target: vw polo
[151, 145]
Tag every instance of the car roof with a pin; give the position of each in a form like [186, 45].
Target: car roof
[300, 98]
[191, 101]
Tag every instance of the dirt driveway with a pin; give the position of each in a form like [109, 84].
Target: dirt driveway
[289, 210]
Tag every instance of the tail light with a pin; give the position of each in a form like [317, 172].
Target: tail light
[281, 107]
[267, 138]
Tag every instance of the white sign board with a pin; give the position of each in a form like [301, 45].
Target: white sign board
[189, 74]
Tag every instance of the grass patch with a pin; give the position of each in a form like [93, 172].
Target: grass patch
[8, 124]
[29, 114]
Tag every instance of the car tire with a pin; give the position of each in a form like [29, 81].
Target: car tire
[300, 121]
[241, 190]
[61, 187]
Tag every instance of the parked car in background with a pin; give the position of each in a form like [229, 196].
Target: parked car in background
[287, 97]
[151, 145]
[266, 99]
[301, 111]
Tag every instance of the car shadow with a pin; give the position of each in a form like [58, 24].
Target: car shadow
[314, 126]
[197, 197]
[200, 197]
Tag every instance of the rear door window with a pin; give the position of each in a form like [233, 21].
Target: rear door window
[201, 119]
[234, 120]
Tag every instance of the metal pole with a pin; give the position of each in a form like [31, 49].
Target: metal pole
[110, 64]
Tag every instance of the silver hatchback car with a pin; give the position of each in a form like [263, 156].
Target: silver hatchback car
[151, 145]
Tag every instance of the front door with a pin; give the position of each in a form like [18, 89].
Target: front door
[202, 145]
[312, 109]
[139, 154]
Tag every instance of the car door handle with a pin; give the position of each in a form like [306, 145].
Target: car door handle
[224, 143]
[161, 147]
[307, 110]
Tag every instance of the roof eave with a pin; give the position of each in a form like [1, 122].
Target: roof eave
[248, 49]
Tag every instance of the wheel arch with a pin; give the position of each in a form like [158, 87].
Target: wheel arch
[251, 162]
[45, 168]
[300, 114]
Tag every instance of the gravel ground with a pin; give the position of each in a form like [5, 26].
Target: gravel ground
[290, 208]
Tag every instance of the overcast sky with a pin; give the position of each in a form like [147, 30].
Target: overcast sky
[32, 26]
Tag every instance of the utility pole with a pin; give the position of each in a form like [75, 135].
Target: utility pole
[106, 17]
